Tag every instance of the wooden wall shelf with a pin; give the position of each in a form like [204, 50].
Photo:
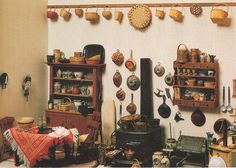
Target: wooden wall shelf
[208, 4]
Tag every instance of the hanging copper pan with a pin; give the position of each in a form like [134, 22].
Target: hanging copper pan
[130, 64]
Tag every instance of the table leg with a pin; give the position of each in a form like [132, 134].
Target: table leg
[17, 159]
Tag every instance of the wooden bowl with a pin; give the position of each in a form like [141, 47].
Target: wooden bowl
[92, 62]
[95, 58]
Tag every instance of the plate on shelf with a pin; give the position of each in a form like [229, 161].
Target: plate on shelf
[94, 49]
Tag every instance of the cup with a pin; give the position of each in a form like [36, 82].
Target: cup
[107, 14]
[210, 73]
[160, 13]
[65, 14]
[118, 16]
[79, 12]
[91, 16]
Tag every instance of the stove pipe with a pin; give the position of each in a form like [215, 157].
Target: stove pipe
[146, 98]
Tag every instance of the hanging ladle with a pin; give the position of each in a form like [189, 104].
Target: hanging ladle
[223, 107]
[229, 107]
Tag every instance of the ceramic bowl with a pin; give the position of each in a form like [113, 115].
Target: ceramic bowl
[78, 75]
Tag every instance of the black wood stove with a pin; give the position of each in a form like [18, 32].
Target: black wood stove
[143, 143]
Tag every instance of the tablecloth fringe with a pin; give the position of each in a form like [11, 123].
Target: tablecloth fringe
[7, 134]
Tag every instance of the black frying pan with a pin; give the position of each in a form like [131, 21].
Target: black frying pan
[164, 110]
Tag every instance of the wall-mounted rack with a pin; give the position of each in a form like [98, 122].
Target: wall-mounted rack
[148, 4]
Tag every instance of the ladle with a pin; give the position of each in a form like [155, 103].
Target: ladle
[229, 107]
[223, 107]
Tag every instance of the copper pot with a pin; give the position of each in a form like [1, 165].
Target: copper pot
[130, 64]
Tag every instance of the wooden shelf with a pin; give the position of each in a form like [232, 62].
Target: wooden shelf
[196, 76]
[77, 65]
[194, 87]
[66, 112]
[208, 4]
[72, 95]
[194, 103]
[73, 79]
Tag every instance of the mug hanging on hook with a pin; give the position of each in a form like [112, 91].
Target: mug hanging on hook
[79, 12]
[107, 13]
[160, 13]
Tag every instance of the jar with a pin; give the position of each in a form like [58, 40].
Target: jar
[194, 54]
[57, 87]
[57, 55]
[156, 159]
[171, 143]
[201, 96]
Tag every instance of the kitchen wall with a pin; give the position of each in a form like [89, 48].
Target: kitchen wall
[23, 39]
[159, 43]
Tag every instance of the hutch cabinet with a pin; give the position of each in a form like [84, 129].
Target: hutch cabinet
[81, 84]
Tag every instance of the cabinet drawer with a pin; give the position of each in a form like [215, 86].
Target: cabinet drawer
[54, 120]
[207, 65]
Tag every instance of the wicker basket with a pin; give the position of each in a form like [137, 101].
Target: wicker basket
[182, 54]
[65, 105]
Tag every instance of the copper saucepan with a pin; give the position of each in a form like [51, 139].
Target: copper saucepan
[130, 64]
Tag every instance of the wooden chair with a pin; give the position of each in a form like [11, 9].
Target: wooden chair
[87, 148]
[5, 149]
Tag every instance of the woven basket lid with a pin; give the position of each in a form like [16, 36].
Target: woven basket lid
[140, 16]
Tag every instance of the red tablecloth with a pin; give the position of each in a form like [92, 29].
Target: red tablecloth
[31, 147]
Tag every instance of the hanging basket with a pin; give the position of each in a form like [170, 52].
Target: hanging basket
[182, 53]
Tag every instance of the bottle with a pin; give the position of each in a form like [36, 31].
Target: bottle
[50, 103]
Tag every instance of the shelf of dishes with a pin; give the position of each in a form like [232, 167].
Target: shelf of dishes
[72, 89]
[72, 106]
[194, 94]
[73, 79]
[65, 74]
[188, 72]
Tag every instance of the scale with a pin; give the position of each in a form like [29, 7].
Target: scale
[190, 150]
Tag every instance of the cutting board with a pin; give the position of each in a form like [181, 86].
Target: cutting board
[108, 117]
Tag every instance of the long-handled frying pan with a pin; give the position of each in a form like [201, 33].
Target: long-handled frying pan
[164, 110]
[131, 108]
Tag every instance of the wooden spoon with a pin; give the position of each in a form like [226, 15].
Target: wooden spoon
[131, 108]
